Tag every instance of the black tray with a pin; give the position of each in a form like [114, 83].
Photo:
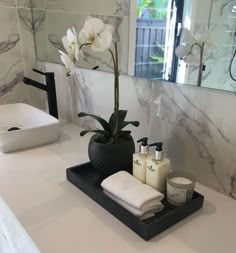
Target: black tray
[85, 178]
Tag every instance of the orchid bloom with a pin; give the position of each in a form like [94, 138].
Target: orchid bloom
[70, 43]
[68, 62]
[191, 46]
[97, 34]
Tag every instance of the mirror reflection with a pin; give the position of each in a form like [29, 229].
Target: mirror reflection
[189, 42]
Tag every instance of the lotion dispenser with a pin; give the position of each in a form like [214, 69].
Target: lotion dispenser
[139, 160]
[158, 169]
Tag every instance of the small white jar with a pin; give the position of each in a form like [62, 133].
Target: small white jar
[180, 187]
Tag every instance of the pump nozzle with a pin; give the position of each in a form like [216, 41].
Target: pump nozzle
[144, 141]
[144, 147]
[159, 152]
[159, 146]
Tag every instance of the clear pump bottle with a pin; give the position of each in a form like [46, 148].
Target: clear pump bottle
[139, 160]
[157, 169]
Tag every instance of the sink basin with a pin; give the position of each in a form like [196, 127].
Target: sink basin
[23, 126]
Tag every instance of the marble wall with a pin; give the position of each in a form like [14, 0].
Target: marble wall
[54, 17]
[17, 52]
[198, 129]
[197, 125]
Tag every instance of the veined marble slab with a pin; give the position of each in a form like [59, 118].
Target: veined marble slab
[104, 7]
[39, 4]
[17, 53]
[13, 238]
[198, 131]
[7, 3]
[11, 60]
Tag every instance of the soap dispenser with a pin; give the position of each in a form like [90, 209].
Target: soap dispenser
[157, 169]
[139, 160]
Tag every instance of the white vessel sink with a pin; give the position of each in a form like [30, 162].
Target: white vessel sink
[30, 126]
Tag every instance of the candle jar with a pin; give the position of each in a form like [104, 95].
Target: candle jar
[180, 187]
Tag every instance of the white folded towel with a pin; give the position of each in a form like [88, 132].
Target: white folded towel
[129, 190]
[142, 214]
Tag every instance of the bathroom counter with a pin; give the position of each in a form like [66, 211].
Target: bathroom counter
[60, 219]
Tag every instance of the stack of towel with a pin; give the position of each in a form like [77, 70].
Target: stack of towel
[140, 199]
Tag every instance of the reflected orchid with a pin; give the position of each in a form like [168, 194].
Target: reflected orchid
[193, 49]
[70, 43]
[187, 37]
[205, 38]
[191, 46]
[68, 62]
[182, 50]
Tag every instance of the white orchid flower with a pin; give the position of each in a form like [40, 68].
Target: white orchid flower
[70, 43]
[193, 59]
[191, 46]
[68, 62]
[187, 37]
[96, 33]
[182, 50]
[205, 37]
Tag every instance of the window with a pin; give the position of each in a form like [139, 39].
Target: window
[156, 37]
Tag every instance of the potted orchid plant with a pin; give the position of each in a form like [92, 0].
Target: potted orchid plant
[193, 49]
[112, 147]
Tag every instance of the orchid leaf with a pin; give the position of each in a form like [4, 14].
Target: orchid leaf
[122, 115]
[107, 135]
[124, 133]
[103, 122]
[101, 132]
[126, 123]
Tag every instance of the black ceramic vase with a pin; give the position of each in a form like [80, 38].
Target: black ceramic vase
[108, 159]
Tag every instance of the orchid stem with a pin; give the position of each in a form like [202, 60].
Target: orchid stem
[116, 92]
[199, 81]
[116, 88]
[201, 46]
[114, 69]
[117, 95]
[85, 44]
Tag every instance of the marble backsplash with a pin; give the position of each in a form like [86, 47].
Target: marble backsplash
[197, 125]
[198, 131]
[17, 52]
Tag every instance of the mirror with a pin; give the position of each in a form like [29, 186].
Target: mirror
[52, 18]
[148, 33]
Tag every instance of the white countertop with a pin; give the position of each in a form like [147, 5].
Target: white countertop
[61, 219]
